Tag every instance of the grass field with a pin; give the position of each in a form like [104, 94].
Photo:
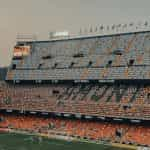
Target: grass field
[26, 142]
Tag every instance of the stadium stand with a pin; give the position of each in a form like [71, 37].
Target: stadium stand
[99, 77]
[99, 100]
[104, 131]
[124, 56]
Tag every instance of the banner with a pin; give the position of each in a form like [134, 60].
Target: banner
[21, 51]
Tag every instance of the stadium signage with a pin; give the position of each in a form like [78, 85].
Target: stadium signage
[21, 51]
[106, 81]
[81, 81]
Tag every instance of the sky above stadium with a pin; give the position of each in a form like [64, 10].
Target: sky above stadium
[39, 17]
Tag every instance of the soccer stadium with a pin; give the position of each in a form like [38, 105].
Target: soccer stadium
[93, 89]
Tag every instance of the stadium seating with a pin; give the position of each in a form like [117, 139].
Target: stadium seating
[86, 99]
[106, 131]
[99, 77]
[122, 56]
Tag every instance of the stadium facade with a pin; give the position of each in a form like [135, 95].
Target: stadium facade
[100, 78]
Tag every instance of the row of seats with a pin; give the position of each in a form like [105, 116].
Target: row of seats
[113, 132]
[112, 60]
[134, 72]
[94, 45]
[94, 100]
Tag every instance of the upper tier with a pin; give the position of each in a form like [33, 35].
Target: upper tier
[115, 57]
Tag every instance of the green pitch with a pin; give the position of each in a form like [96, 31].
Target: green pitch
[25, 142]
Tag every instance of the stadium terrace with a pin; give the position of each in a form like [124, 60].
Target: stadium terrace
[90, 87]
